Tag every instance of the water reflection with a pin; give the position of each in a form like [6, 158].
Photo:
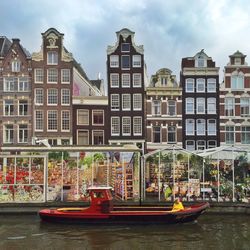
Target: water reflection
[211, 232]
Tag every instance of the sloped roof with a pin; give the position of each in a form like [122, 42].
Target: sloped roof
[5, 44]
[237, 54]
[80, 69]
[96, 83]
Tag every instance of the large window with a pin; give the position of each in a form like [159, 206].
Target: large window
[114, 80]
[137, 102]
[52, 75]
[98, 117]
[38, 75]
[52, 120]
[211, 85]
[245, 106]
[156, 107]
[125, 62]
[136, 61]
[237, 81]
[190, 106]
[229, 106]
[171, 107]
[200, 105]
[9, 107]
[211, 127]
[156, 134]
[52, 97]
[115, 102]
[136, 80]
[190, 145]
[115, 126]
[82, 137]
[229, 134]
[39, 120]
[190, 127]
[23, 133]
[10, 84]
[82, 117]
[8, 133]
[52, 57]
[23, 107]
[125, 80]
[65, 75]
[200, 85]
[126, 102]
[65, 123]
[39, 96]
[114, 61]
[171, 134]
[137, 125]
[189, 85]
[98, 137]
[126, 126]
[200, 127]
[211, 105]
[23, 85]
[245, 134]
[65, 96]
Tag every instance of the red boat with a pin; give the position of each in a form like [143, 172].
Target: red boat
[102, 211]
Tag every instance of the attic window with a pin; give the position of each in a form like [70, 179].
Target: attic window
[125, 47]
[15, 66]
[201, 61]
[237, 61]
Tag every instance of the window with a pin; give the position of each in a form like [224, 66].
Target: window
[52, 97]
[171, 107]
[115, 126]
[39, 96]
[171, 134]
[23, 85]
[164, 81]
[189, 85]
[156, 107]
[211, 85]
[237, 61]
[38, 75]
[8, 133]
[82, 137]
[114, 61]
[211, 105]
[136, 61]
[115, 102]
[156, 134]
[200, 85]
[10, 84]
[65, 96]
[229, 106]
[190, 106]
[126, 126]
[125, 80]
[137, 125]
[125, 47]
[211, 144]
[52, 57]
[65, 141]
[82, 117]
[52, 142]
[125, 62]
[98, 117]
[200, 127]
[39, 120]
[229, 135]
[190, 127]
[201, 62]
[52, 120]
[9, 107]
[237, 81]
[98, 137]
[126, 103]
[65, 120]
[190, 146]
[114, 80]
[23, 107]
[65, 75]
[245, 106]
[211, 127]
[245, 135]
[201, 145]
[23, 133]
[137, 102]
[15, 66]
[136, 80]
[200, 103]
[52, 75]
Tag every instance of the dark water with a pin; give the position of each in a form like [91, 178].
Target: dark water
[210, 232]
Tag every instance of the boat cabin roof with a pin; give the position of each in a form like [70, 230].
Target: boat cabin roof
[99, 188]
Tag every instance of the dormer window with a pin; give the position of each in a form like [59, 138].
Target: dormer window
[15, 66]
[125, 47]
[52, 57]
[237, 61]
[201, 61]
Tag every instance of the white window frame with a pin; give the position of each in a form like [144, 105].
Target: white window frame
[23, 84]
[173, 106]
[65, 76]
[39, 96]
[115, 131]
[200, 127]
[229, 104]
[188, 147]
[229, 133]
[156, 108]
[202, 146]
[114, 80]
[86, 111]
[209, 144]
[65, 97]
[126, 124]
[114, 61]
[174, 132]
[245, 106]
[10, 84]
[98, 131]
[26, 104]
[137, 61]
[9, 106]
[126, 80]
[200, 103]
[200, 82]
[115, 99]
[16, 65]
[93, 113]
[139, 126]
[137, 80]
[39, 75]
[189, 89]
[8, 133]
[52, 58]
[82, 130]
[24, 138]
[246, 134]
[52, 97]
[54, 75]
[52, 112]
[191, 123]
[237, 81]
[211, 105]
[63, 119]
[190, 101]
[137, 101]
[40, 121]
[126, 102]
[211, 85]
[209, 131]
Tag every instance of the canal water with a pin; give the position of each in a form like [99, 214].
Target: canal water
[213, 232]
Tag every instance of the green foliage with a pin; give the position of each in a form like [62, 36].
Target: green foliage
[57, 156]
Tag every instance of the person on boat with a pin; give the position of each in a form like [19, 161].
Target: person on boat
[167, 191]
[177, 205]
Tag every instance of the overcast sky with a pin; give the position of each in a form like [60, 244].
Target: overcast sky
[168, 29]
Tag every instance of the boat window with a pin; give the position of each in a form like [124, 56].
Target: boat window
[98, 195]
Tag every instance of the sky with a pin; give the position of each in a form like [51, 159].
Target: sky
[168, 29]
